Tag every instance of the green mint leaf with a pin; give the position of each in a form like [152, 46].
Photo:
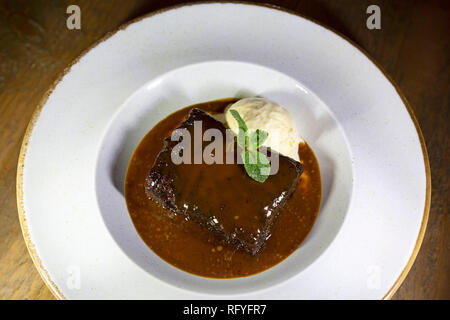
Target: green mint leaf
[256, 165]
[242, 138]
[257, 138]
[240, 121]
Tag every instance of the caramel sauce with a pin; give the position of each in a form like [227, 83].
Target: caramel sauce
[193, 249]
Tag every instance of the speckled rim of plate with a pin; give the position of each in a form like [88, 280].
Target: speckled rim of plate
[35, 116]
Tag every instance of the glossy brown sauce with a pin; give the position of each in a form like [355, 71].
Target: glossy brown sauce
[191, 248]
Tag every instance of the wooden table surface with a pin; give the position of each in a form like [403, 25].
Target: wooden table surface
[412, 46]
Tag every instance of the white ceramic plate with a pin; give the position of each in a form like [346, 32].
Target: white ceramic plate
[373, 160]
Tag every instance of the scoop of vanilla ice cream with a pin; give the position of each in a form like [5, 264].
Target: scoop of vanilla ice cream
[260, 113]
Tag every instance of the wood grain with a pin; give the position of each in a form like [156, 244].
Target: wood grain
[412, 46]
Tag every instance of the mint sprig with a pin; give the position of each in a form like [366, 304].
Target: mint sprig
[256, 164]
